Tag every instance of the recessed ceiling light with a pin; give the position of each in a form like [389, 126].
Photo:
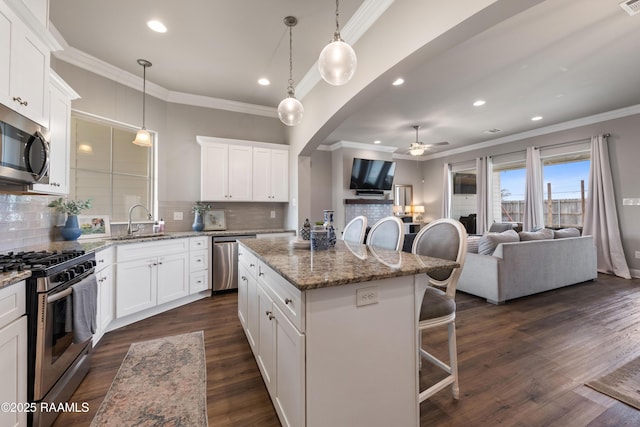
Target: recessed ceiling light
[376, 142]
[264, 82]
[157, 26]
[398, 81]
[536, 118]
[479, 102]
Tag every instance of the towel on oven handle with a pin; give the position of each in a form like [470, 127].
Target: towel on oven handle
[85, 295]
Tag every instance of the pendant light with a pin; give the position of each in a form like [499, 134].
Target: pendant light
[337, 62]
[290, 110]
[143, 137]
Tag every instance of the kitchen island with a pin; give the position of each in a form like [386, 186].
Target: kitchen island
[334, 332]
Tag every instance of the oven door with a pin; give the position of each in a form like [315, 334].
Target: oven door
[55, 349]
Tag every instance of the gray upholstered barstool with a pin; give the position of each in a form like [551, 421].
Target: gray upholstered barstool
[446, 239]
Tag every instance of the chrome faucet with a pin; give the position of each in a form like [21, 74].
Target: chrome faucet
[130, 229]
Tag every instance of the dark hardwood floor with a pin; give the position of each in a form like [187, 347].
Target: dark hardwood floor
[521, 364]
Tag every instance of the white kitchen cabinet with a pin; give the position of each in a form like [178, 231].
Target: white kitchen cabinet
[24, 68]
[270, 175]
[226, 172]
[60, 98]
[248, 296]
[105, 305]
[199, 256]
[13, 352]
[266, 339]
[151, 273]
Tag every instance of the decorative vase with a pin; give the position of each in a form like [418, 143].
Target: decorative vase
[198, 222]
[328, 225]
[71, 230]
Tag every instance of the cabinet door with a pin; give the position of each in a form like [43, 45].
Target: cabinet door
[59, 117]
[13, 370]
[253, 314]
[290, 371]
[135, 286]
[262, 174]
[279, 175]
[105, 294]
[215, 172]
[243, 280]
[266, 339]
[30, 76]
[240, 176]
[173, 277]
[7, 19]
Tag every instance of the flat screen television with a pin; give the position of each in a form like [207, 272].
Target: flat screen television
[464, 183]
[372, 175]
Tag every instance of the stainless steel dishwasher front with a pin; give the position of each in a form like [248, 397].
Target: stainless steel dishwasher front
[225, 262]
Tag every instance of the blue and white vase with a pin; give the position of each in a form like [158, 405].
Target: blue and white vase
[198, 222]
[71, 230]
[328, 225]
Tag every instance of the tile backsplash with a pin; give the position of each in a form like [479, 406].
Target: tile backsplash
[26, 220]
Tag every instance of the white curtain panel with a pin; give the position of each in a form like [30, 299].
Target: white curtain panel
[447, 191]
[533, 203]
[601, 216]
[483, 194]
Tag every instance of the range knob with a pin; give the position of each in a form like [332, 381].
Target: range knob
[79, 269]
[65, 276]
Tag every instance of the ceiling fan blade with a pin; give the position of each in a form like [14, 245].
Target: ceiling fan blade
[436, 143]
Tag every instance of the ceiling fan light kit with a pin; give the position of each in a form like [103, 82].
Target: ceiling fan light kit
[418, 147]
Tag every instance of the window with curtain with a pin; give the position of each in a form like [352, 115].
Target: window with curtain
[109, 169]
[565, 188]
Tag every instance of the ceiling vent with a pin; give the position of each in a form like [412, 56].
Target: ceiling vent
[632, 7]
[494, 130]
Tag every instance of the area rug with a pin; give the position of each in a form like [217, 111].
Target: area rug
[162, 382]
[622, 384]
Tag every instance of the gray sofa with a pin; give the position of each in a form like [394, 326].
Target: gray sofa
[517, 269]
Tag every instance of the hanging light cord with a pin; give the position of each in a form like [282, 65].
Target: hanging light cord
[337, 33]
[290, 89]
[144, 91]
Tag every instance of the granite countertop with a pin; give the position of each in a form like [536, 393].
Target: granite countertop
[93, 245]
[343, 264]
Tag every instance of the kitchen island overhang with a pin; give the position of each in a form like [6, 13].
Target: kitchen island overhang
[335, 332]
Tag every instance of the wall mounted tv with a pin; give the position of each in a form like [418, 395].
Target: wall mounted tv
[464, 183]
[372, 175]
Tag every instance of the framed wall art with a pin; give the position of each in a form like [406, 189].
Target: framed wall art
[94, 226]
[215, 220]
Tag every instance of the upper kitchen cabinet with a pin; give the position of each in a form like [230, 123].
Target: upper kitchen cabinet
[236, 170]
[270, 175]
[225, 172]
[60, 98]
[25, 46]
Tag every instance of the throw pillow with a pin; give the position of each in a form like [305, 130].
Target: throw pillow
[490, 241]
[566, 232]
[473, 242]
[544, 234]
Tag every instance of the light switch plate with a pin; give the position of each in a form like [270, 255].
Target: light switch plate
[177, 216]
[631, 202]
[366, 296]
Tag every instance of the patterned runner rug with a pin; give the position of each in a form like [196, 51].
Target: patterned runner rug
[161, 382]
[622, 384]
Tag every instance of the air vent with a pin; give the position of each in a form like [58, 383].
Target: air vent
[494, 130]
[632, 7]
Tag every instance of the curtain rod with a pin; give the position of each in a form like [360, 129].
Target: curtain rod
[606, 135]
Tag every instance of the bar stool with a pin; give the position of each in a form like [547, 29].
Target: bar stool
[387, 234]
[354, 230]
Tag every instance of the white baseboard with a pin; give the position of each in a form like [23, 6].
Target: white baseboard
[635, 273]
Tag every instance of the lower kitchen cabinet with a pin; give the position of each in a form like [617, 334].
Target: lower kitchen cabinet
[105, 304]
[13, 353]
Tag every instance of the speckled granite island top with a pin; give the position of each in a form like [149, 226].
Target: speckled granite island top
[343, 264]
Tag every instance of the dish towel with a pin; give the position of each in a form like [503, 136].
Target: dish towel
[85, 295]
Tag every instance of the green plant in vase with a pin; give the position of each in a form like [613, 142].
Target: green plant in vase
[72, 208]
[199, 209]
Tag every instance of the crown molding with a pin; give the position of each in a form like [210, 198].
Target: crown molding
[360, 22]
[571, 124]
[358, 145]
[92, 64]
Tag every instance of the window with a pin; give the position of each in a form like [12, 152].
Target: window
[508, 182]
[109, 169]
[565, 189]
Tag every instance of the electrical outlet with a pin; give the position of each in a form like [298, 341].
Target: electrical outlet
[177, 216]
[637, 254]
[273, 214]
[366, 296]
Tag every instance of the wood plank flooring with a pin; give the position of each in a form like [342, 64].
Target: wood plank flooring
[521, 364]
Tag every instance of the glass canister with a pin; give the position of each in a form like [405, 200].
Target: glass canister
[320, 240]
[328, 225]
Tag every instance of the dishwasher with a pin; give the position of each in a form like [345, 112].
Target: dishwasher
[225, 261]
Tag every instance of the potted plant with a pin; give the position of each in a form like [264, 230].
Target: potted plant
[72, 208]
[199, 210]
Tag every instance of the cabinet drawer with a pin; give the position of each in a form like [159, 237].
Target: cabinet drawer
[104, 258]
[198, 260]
[248, 259]
[12, 303]
[198, 281]
[133, 251]
[286, 296]
[197, 243]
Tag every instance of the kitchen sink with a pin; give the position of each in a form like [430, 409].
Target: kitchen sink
[136, 236]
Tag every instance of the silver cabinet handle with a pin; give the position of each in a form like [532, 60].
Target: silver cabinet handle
[288, 301]
[244, 278]
[268, 313]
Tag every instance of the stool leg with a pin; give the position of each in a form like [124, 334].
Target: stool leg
[453, 358]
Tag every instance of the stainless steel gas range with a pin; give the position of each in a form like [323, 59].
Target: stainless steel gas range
[59, 343]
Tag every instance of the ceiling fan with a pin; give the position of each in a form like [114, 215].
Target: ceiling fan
[418, 147]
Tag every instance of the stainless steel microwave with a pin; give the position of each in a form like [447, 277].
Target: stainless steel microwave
[24, 150]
